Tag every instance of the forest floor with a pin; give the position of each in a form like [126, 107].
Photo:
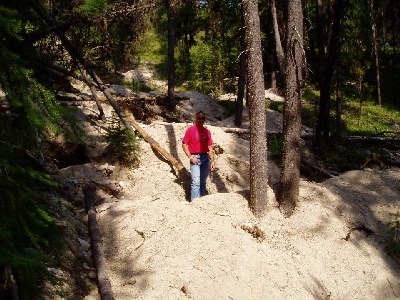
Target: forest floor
[157, 245]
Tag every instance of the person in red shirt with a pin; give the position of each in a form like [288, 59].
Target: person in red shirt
[198, 147]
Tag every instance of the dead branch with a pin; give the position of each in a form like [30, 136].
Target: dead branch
[102, 116]
[104, 284]
[63, 96]
[372, 138]
[304, 135]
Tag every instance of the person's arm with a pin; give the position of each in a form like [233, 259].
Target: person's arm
[211, 155]
[192, 159]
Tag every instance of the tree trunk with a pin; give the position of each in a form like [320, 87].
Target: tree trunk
[376, 52]
[171, 103]
[395, 46]
[241, 82]
[295, 59]
[327, 55]
[339, 98]
[273, 72]
[104, 283]
[278, 44]
[102, 116]
[255, 88]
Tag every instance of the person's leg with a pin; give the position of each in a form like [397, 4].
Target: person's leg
[204, 166]
[195, 185]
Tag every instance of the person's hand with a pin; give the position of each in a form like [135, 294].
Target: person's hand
[212, 166]
[194, 160]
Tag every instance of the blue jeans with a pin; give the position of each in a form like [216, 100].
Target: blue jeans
[199, 174]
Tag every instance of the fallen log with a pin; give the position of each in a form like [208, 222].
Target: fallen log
[102, 116]
[104, 284]
[372, 138]
[149, 98]
[64, 96]
[304, 135]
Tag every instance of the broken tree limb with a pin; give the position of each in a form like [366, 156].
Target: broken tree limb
[102, 116]
[64, 96]
[247, 131]
[104, 284]
[237, 130]
[304, 135]
[372, 138]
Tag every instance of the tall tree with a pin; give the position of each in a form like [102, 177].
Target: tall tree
[241, 81]
[294, 64]
[255, 90]
[171, 103]
[278, 43]
[329, 17]
[376, 52]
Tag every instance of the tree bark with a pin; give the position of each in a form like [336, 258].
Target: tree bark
[339, 98]
[295, 59]
[273, 72]
[258, 128]
[171, 102]
[104, 284]
[376, 52]
[278, 44]
[241, 81]
[102, 116]
[327, 54]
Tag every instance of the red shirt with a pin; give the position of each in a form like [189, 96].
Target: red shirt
[198, 139]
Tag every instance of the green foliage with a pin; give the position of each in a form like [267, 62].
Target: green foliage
[278, 106]
[367, 119]
[229, 107]
[370, 120]
[206, 68]
[152, 46]
[28, 234]
[123, 145]
[9, 23]
[342, 157]
[275, 146]
[139, 86]
[92, 7]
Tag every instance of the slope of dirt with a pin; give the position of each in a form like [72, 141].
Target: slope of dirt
[159, 246]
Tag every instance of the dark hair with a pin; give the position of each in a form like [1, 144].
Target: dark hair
[200, 112]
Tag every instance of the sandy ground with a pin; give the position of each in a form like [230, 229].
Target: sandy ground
[159, 246]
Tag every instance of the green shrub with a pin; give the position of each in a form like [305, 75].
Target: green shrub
[275, 146]
[123, 145]
[139, 86]
[28, 234]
